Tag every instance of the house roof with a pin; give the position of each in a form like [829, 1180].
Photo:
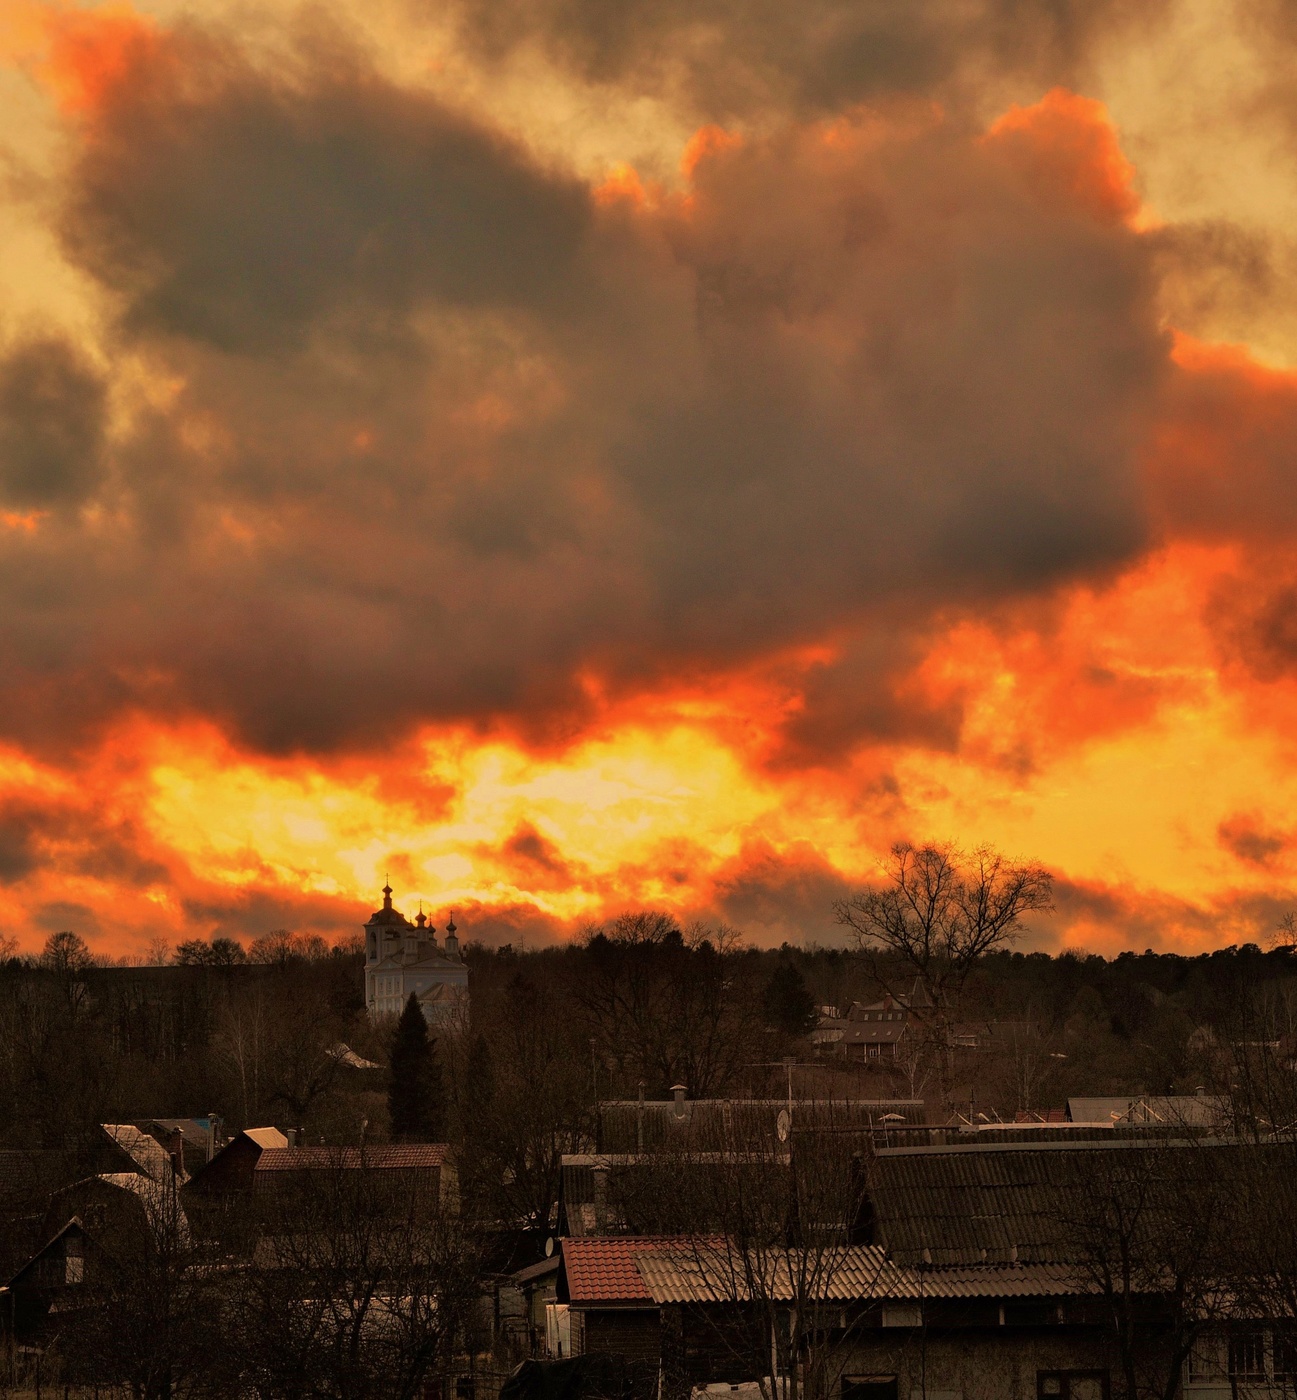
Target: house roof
[693, 1272]
[648, 1271]
[1016, 1201]
[442, 991]
[417, 1156]
[159, 1202]
[266, 1137]
[146, 1152]
[540, 1270]
[865, 1032]
[628, 1125]
[73, 1228]
[1172, 1110]
[860, 1010]
[347, 1057]
[28, 1176]
[601, 1269]
[858, 1273]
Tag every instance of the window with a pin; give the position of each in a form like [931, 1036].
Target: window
[1285, 1354]
[1072, 1385]
[1247, 1355]
[869, 1388]
[1239, 1355]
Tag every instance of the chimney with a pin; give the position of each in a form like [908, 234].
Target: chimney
[176, 1151]
[678, 1092]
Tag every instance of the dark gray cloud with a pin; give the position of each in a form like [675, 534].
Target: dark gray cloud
[449, 434]
[1252, 840]
[52, 407]
[728, 58]
[246, 914]
[774, 895]
[239, 208]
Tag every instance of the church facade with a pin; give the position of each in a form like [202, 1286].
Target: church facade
[403, 957]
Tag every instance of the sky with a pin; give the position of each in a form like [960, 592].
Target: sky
[569, 456]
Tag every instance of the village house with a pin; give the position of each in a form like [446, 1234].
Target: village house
[869, 1031]
[260, 1167]
[977, 1282]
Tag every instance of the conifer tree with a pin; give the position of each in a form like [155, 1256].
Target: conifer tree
[788, 1003]
[415, 1093]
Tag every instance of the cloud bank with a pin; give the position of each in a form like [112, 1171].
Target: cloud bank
[861, 449]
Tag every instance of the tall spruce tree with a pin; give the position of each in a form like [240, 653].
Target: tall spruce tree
[415, 1093]
[788, 1003]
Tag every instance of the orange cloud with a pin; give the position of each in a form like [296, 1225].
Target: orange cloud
[805, 546]
[1067, 147]
[705, 143]
[90, 53]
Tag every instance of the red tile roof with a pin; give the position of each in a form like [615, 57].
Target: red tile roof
[423, 1155]
[601, 1269]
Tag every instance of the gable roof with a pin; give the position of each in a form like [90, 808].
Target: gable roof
[145, 1151]
[73, 1229]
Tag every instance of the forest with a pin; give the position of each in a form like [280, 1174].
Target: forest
[633, 1008]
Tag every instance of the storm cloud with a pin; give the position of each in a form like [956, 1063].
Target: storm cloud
[856, 434]
[454, 429]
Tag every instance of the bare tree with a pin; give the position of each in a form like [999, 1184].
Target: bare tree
[363, 1285]
[1150, 1225]
[149, 1306]
[767, 1214]
[939, 912]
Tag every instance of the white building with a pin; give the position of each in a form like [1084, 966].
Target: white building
[403, 957]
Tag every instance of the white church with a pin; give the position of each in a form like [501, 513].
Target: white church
[403, 957]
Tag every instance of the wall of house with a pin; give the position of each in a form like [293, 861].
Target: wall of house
[1001, 1363]
[630, 1332]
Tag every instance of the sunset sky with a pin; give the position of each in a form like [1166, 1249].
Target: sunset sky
[572, 455]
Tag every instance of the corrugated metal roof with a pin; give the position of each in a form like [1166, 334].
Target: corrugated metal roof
[628, 1125]
[700, 1273]
[1170, 1110]
[1005, 1281]
[859, 1274]
[381, 1158]
[1016, 1202]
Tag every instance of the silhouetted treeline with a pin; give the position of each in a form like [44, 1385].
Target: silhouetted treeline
[639, 1007]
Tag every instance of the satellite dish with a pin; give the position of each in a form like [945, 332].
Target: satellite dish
[549, 1247]
[783, 1125]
